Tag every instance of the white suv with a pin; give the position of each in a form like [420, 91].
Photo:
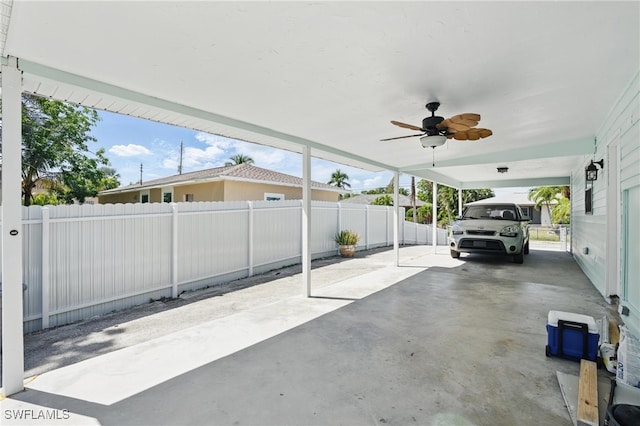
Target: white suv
[495, 228]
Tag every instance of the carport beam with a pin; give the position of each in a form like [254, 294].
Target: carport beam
[459, 201]
[12, 328]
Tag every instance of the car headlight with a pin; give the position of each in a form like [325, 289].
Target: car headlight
[456, 230]
[510, 231]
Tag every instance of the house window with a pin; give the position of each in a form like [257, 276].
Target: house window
[188, 198]
[144, 198]
[268, 196]
[166, 197]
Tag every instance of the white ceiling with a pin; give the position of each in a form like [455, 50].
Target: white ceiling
[331, 75]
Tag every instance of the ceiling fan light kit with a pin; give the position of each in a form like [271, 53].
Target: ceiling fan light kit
[433, 141]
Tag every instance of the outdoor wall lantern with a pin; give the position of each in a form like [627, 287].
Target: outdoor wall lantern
[591, 171]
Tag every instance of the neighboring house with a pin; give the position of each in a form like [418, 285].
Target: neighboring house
[538, 217]
[368, 199]
[242, 182]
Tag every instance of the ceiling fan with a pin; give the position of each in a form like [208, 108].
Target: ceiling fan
[436, 130]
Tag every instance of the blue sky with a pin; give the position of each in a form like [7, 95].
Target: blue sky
[129, 142]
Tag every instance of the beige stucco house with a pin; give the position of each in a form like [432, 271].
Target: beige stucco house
[242, 182]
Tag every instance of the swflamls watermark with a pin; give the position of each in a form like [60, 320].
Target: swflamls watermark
[36, 414]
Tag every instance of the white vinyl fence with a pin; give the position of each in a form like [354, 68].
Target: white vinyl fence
[83, 261]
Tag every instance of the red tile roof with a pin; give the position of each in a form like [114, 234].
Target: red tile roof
[241, 172]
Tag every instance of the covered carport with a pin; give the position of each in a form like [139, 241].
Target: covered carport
[557, 83]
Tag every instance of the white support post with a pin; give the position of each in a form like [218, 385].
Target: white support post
[459, 201]
[434, 209]
[174, 251]
[12, 294]
[396, 217]
[367, 220]
[306, 221]
[46, 279]
[250, 205]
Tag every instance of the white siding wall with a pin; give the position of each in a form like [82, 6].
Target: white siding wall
[102, 258]
[589, 231]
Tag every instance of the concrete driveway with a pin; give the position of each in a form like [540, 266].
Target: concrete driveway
[436, 341]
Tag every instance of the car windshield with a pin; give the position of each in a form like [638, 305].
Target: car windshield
[490, 211]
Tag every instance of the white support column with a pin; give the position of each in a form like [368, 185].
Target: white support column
[396, 217]
[250, 206]
[367, 222]
[46, 281]
[174, 251]
[306, 221]
[459, 201]
[434, 209]
[12, 315]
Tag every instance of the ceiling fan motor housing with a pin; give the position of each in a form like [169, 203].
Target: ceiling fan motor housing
[429, 125]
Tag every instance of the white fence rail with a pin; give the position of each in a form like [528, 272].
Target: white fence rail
[83, 261]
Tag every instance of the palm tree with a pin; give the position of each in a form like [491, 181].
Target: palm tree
[544, 195]
[239, 159]
[339, 179]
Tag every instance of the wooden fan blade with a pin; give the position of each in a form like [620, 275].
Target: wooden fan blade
[470, 116]
[473, 135]
[484, 133]
[458, 127]
[405, 125]
[402, 137]
[466, 119]
[460, 136]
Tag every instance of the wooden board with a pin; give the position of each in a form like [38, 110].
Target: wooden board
[614, 332]
[587, 414]
[569, 388]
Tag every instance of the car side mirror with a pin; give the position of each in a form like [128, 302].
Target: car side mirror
[458, 217]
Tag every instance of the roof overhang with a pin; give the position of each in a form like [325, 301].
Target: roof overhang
[330, 75]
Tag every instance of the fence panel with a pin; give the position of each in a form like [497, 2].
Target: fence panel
[213, 245]
[82, 261]
[324, 226]
[354, 219]
[377, 229]
[277, 229]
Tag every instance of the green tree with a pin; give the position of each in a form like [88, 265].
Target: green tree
[561, 213]
[383, 200]
[339, 179]
[239, 159]
[44, 199]
[423, 214]
[55, 138]
[110, 180]
[448, 198]
[545, 195]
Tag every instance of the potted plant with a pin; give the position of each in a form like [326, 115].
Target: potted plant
[347, 241]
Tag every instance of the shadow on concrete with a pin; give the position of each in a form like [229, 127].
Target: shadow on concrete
[446, 343]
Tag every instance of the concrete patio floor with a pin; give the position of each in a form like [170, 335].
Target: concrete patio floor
[436, 341]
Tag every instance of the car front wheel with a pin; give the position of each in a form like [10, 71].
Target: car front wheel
[526, 248]
[518, 258]
[455, 254]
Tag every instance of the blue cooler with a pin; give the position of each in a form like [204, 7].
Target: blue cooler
[572, 336]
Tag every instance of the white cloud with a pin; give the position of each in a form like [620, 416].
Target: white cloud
[130, 150]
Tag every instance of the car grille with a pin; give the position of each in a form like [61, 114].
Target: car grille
[486, 233]
[482, 245]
